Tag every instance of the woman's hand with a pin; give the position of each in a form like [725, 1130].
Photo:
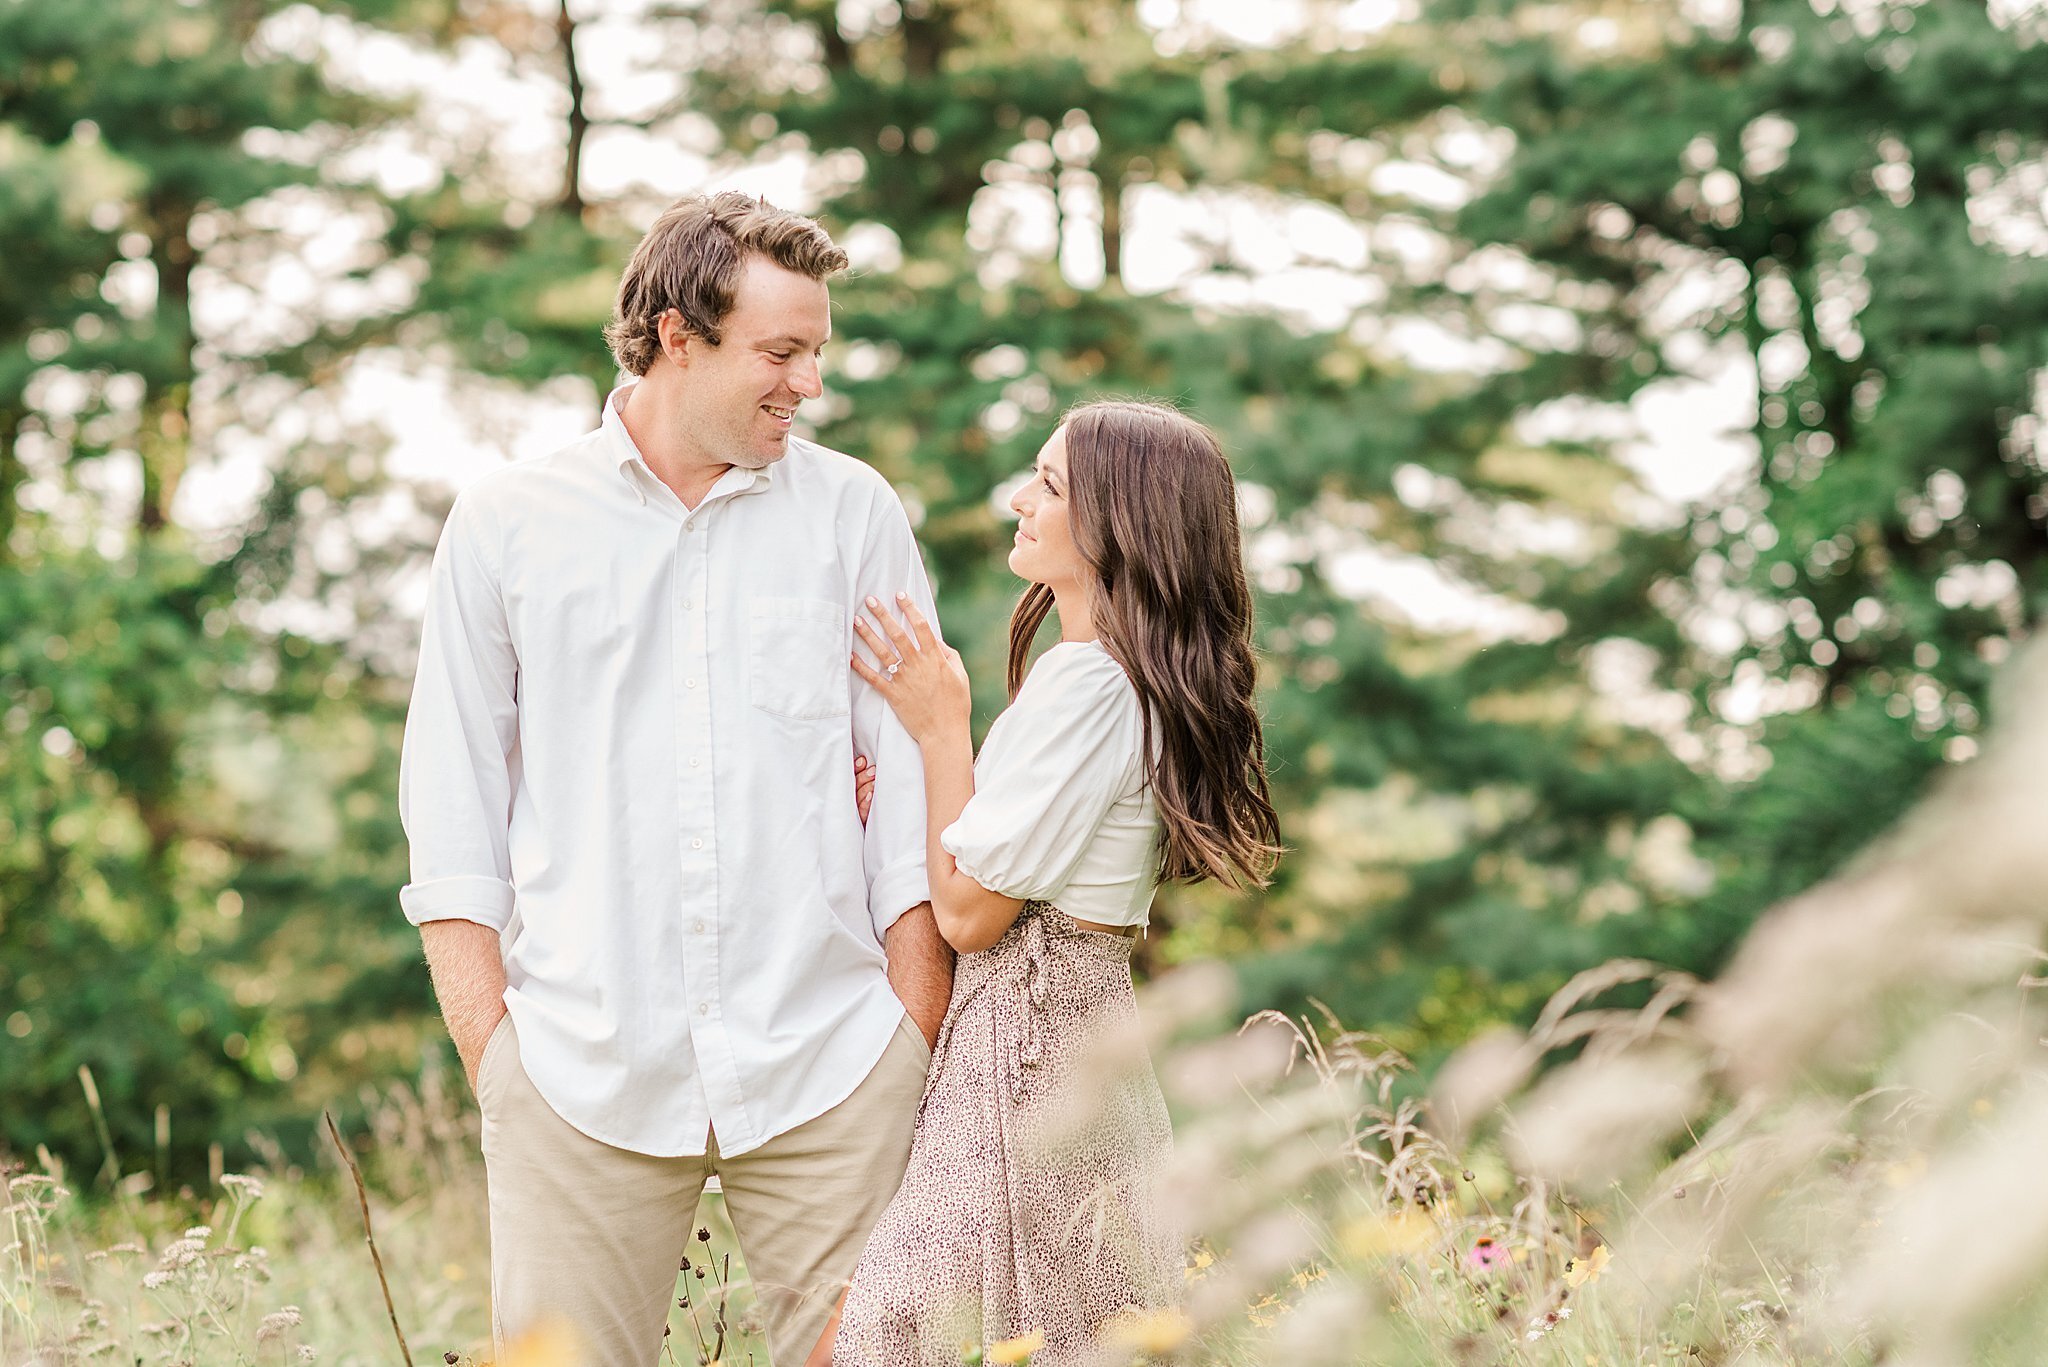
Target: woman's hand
[863, 786]
[920, 676]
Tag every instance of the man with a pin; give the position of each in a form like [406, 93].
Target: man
[662, 939]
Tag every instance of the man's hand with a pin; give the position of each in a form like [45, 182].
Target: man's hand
[920, 968]
[469, 980]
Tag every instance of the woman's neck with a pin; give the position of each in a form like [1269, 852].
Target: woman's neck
[1077, 619]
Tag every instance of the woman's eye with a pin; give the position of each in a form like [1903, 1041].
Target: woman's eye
[1048, 486]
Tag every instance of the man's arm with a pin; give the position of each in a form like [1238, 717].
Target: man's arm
[455, 783]
[920, 961]
[469, 982]
[920, 968]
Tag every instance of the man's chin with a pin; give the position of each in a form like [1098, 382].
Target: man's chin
[760, 458]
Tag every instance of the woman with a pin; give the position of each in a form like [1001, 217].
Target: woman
[1130, 754]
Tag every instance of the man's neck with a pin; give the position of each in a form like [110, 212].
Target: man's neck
[664, 443]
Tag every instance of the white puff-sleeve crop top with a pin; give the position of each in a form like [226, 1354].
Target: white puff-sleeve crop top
[1061, 811]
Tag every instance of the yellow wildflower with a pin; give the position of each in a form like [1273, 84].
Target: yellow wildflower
[1017, 1349]
[552, 1343]
[1148, 1331]
[1580, 1271]
[1402, 1231]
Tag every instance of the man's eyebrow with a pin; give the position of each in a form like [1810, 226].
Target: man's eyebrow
[792, 340]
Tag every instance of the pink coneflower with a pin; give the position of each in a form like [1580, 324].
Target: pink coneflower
[1487, 1254]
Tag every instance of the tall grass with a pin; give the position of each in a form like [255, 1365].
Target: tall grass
[1830, 1154]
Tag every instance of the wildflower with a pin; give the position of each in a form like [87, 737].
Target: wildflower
[180, 1253]
[1546, 1322]
[1579, 1271]
[307, 1352]
[1403, 1231]
[1147, 1331]
[703, 1236]
[551, 1344]
[1487, 1254]
[160, 1327]
[274, 1324]
[200, 1233]
[1017, 1349]
[1307, 1276]
[248, 1188]
[1264, 1311]
[152, 1280]
[1204, 1259]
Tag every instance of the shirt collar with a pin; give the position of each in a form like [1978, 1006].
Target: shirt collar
[633, 467]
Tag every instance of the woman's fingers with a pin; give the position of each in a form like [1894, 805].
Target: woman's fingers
[898, 637]
[875, 643]
[927, 639]
[874, 677]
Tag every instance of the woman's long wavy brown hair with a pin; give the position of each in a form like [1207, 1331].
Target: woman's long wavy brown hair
[1153, 510]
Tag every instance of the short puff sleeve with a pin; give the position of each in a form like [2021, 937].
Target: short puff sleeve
[1054, 763]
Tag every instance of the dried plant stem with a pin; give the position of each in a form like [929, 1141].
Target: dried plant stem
[110, 1168]
[369, 1237]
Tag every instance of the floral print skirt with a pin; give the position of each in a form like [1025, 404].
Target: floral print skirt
[1028, 1207]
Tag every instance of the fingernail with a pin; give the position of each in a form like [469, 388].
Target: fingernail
[902, 597]
[873, 601]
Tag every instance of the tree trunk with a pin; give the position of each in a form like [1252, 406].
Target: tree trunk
[165, 441]
[571, 201]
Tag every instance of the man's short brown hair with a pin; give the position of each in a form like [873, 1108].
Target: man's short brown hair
[691, 260]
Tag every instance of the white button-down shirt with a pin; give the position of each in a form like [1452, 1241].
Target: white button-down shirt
[630, 750]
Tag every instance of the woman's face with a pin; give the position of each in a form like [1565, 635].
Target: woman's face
[1045, 552]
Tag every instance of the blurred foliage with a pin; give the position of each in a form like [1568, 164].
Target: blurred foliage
[1649, 722]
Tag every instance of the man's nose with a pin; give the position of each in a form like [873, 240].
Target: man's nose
[807, 377]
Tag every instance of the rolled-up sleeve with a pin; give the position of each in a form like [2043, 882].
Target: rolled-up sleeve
[1057, 761]
[456, 770]
[894, 843]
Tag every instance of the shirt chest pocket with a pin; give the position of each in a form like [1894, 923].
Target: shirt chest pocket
[797, 657]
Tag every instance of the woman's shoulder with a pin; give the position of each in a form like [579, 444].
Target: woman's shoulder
[1073, 672]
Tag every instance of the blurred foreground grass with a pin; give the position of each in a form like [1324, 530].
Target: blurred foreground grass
[1829, 1154]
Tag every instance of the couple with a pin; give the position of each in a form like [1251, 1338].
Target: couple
[697, 832]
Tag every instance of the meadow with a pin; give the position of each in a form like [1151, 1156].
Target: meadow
[1827, 1154]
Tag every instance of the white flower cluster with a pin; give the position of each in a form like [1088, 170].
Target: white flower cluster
[178, 1255]
[242, 1185]
[274, 1324]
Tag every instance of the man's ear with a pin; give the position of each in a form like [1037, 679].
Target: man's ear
[676, 339]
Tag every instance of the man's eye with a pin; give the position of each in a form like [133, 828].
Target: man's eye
[778, 356]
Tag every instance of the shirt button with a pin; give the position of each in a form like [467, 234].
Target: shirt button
[697, 926]
[689, 526]
[696, 844]
[703, 1008]
[689, 683]
[688, 604]
[695, 762]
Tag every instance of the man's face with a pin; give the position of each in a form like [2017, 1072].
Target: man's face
[742, 393]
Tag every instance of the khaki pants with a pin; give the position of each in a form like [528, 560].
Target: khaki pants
[593, 1235]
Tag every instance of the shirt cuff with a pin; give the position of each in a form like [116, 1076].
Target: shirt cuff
[469, 897]
[896, 890]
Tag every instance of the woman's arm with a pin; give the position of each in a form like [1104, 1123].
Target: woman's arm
[924, 680]
[969, 915]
